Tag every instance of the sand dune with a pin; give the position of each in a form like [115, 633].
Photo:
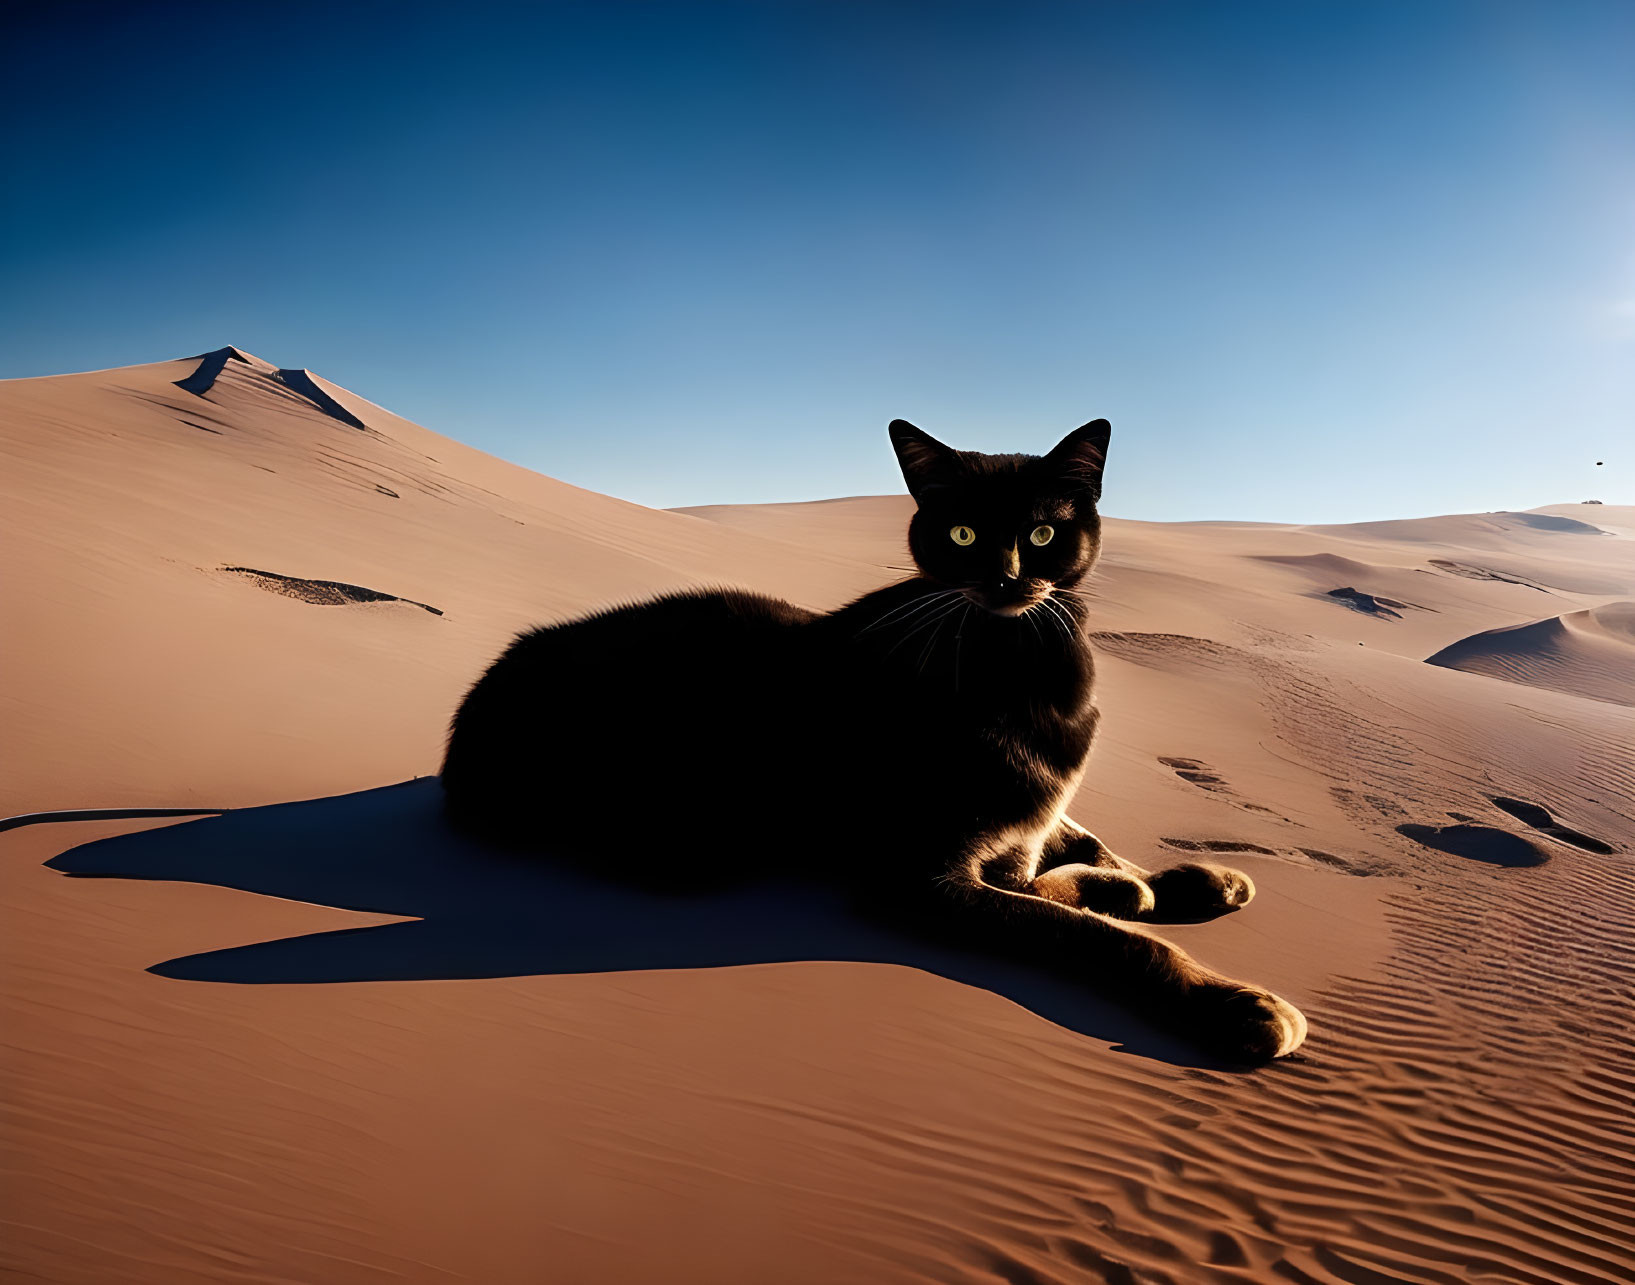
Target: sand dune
[1588, 653]
[124, 519]
[320, 1039]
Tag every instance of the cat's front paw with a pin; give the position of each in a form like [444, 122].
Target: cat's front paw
[1192, 892]
[1096, 888]
[1245, 1023]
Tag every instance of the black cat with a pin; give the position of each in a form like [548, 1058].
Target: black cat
[938, 727]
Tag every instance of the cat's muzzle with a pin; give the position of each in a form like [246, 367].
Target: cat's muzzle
[1009, 599]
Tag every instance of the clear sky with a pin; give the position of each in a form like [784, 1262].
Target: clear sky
[1317, 261]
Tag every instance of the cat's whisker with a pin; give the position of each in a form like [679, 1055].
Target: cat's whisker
[1051, 619]
[909, 609]
[1070, 626]
[1078, 595]
[1049, 611]
[923, 600]
[934, 625]
[930, 618]
[931, 642]
[925, 623]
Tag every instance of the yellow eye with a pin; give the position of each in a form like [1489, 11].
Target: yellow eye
[962, 535]
[1043, 534]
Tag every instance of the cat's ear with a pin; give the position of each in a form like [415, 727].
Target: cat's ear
[1078, 458]
[926, 462]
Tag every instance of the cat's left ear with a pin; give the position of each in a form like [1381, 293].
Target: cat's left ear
[1079, 457]
[927, 464]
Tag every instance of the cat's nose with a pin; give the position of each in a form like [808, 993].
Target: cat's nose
[1011, 567]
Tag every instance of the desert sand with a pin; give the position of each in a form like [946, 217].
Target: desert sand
[319, 1039]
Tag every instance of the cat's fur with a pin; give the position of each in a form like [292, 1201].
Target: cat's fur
[935, 730]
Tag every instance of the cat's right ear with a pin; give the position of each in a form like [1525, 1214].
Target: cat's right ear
[927, 464]
[1079, 457]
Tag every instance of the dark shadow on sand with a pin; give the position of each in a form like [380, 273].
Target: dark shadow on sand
[483, 913]
[1478, 843]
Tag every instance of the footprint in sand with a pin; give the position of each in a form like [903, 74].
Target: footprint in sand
[1359, 801]
[1217, 845]
[1205, 777]
[1345, 865]
[1198, 772]
[1478, 843]
[1539, 818]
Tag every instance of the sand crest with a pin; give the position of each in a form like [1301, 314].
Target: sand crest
[1588, 653]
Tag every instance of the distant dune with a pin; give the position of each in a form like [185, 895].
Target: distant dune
[320, 1039]
[1588, 653]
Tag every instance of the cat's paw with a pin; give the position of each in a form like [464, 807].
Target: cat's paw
[1096, 888]
[1192, 892]
[1244, 1023]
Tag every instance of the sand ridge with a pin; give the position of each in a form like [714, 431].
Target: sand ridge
[1587, 653]
[308, 1042]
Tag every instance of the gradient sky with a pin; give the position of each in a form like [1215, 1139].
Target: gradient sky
[1317, 261]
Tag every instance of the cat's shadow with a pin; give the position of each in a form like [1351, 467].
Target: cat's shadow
[482, 913]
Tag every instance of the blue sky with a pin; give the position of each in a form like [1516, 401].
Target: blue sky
[1317, 261]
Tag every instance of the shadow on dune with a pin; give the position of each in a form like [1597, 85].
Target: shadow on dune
[481, 913]
[1550, 522]
[1478, 843]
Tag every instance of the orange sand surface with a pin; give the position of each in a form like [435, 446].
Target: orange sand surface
[259, 589]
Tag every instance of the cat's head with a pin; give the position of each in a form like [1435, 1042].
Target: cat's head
[1006, 529]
